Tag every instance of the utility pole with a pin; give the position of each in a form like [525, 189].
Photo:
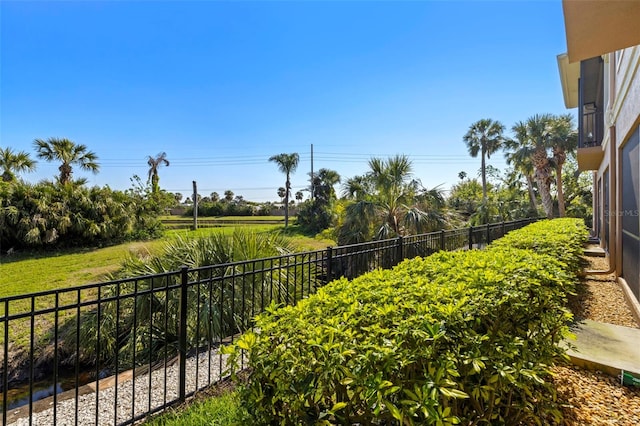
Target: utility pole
[195, 205]
[312, 181]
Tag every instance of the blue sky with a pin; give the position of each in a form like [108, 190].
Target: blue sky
[222, 86]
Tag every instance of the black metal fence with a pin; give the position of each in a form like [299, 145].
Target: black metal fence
[115, 352]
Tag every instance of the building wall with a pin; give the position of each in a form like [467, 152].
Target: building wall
[623, 111]
[626, 105]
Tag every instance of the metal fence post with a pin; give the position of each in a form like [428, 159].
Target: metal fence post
[503, 229]
[182, 334]
[470, 237]
[442, 240]
[488, 234]
[399, 250]
[329, 262]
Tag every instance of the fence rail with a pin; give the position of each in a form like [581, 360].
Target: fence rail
[115, 352]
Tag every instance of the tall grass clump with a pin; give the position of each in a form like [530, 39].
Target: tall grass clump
[142, 326]
[456, 338]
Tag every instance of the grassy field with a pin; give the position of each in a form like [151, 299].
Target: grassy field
[26, 272]
[29, 272]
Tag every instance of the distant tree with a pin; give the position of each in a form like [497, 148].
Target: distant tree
[188, 200]
[154, 164]
[239, 199]
[228, 195]
[178, 197]
[215, 197]
[299, 196]
[462, 175]
[12, 162]
[317, 214]
[281, 193]
[287, 164]
[484, 137]
[68, 153]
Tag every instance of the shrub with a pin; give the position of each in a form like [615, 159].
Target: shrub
[464, 337]
[559, 238]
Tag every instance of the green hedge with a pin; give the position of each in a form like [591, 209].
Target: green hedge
[559, 238]
[455, 338]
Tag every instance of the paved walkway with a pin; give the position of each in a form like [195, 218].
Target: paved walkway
[606, 347]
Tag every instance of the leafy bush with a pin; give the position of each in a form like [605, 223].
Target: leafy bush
[50, 214]
[559, 238]
[463, 337]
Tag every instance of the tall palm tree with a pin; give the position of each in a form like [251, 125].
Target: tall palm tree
[518, 155]
[12, 162]
[484, 137]
[68, 153]
[154, 164]
[564, 140]
[537, 132]
[287, 164]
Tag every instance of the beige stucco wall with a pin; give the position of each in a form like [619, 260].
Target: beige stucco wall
[626, 107]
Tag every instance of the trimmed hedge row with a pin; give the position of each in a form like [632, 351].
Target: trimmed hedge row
[463, 337]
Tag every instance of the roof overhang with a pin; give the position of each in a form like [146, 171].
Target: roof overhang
[596, 27]
[569, 75]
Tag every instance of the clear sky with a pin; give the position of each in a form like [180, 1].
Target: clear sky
[220, 86]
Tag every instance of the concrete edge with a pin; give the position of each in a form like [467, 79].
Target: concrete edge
[588, 364]
[633, 303]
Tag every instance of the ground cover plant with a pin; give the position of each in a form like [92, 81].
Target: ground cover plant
[455, 338]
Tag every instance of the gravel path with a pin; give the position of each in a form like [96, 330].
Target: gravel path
[161, 391]
[592, 397]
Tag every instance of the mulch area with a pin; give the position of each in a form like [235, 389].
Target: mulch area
[592, 397]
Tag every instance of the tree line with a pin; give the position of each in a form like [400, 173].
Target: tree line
[64, 211]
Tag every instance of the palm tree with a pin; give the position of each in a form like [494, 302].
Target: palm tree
[393, 204]
[323, 183]
[564, 140]
[287, 164]
[536, 132]
[228, 195]
[154, 164]
[299, 196]
[12, 162]
[281, 193]
[484, 137]
[519, 156]
[69, 153]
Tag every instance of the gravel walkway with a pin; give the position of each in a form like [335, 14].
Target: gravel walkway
[127, 406]
[592, 397]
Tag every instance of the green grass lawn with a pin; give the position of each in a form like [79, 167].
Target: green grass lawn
[26, 272]
[222, 410]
